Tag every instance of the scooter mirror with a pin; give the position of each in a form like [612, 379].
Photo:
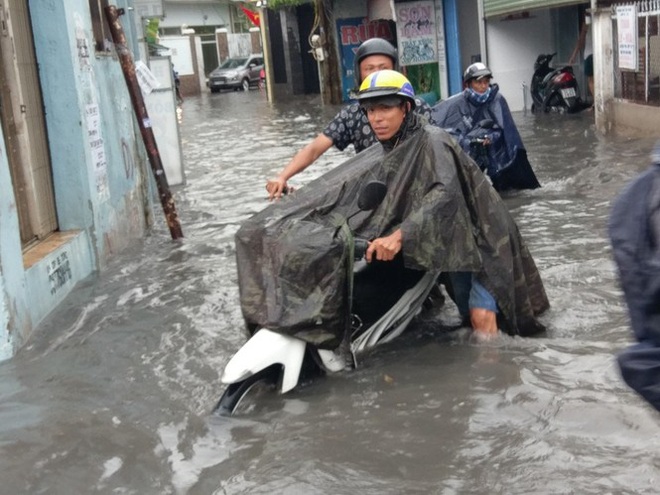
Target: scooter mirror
[372, 195]
[486, 124]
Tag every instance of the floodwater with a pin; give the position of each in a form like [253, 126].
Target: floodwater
[115, 391]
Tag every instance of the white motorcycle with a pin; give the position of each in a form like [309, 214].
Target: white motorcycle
[386, 297]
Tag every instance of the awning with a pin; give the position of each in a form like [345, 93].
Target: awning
[494, 8]
[158, 50]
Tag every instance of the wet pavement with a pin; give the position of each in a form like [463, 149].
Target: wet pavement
[114, 392]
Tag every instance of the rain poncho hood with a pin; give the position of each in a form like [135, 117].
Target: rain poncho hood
[505, 158]
[295, 257]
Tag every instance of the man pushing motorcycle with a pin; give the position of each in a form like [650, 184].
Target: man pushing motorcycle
[444, 215]
[304, 300]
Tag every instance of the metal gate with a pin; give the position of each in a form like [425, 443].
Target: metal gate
[641, 85]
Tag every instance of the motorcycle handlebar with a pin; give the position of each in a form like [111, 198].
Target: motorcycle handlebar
[360, 248]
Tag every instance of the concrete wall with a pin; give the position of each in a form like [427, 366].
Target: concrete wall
[468, 26]
[100, 172]
[633, 119]
[203, 14]
[512, 49]
[185, 53]
[74, 86]
[614, 114]
[347, 9]
[15, 322]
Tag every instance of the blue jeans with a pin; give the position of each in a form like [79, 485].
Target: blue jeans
[469, 293]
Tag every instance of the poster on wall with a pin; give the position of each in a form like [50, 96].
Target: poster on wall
[416, 33]
[97, 148]
[352, 32]
[626, 24]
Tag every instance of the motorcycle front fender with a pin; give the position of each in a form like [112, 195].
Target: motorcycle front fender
[266, 348]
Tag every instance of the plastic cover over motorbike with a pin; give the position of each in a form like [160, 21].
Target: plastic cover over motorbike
[295, 257]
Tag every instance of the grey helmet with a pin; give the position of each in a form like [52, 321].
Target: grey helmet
[476, 71]
[373, 46]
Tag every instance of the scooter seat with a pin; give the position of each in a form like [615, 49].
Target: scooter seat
[548, 77]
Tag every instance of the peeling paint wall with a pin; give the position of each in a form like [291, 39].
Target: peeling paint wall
[101, 175]
[14, 314]
[90, 117]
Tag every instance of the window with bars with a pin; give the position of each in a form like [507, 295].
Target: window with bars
[642, 85]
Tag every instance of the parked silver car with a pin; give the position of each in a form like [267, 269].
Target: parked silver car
[236, 73]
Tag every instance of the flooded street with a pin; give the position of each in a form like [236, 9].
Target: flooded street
[114, 392]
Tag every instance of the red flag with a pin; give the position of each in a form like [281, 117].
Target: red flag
[253, 16]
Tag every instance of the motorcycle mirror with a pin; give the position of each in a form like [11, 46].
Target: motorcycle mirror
[372, 195]
[486, 124]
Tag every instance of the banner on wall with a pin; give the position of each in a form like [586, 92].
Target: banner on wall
[416, 32]
[626, 25]
[352, 32]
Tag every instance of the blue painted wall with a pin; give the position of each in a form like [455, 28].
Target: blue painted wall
[14, 315]
[102, 205]
[75, 80]
[453, 46]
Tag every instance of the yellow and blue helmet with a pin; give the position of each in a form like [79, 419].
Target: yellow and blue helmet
[385, 84]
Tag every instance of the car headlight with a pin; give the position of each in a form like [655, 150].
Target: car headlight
[232, 75]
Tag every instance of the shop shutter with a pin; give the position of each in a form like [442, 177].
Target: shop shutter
[494, 8]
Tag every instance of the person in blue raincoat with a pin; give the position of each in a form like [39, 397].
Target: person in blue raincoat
[635, 234]
[480, 120]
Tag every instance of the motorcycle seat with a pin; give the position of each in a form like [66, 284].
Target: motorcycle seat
[548, 77]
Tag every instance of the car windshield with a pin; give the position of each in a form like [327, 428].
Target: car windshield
[233, 63]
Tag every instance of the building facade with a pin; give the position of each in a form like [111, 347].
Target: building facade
[75, 186]
[508, 35]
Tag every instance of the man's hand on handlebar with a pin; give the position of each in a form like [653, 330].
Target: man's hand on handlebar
[385, 248]
[276, 188]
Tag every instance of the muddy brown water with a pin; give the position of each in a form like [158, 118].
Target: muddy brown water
[114, 392]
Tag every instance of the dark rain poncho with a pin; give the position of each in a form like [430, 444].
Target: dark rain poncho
[635, 235]
[505, 159]
[295, 257]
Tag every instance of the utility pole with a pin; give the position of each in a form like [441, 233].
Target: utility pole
[265, 48]
[128, 67]
[331, 85]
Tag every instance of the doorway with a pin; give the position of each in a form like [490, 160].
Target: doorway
[23, 124]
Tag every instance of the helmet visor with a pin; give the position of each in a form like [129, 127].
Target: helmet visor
[382, 101]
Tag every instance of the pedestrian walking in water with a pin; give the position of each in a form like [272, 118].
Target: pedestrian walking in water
[177, 86]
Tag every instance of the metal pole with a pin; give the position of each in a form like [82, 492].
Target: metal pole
[265, 48]
[647, 69]
[128, 67]
[331, 86]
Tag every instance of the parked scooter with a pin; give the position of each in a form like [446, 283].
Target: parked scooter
[386, 297]
[554, 89]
